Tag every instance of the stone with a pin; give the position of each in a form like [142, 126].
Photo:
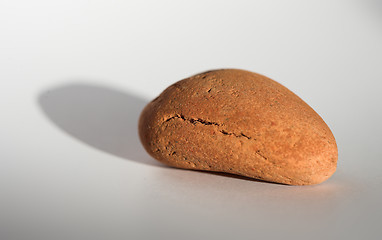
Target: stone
[242, 123]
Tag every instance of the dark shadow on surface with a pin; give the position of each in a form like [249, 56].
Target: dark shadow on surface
[230, 175]
[99, 116]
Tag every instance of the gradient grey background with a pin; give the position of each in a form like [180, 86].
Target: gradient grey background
[74, 76]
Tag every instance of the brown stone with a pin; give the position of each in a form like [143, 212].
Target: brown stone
[239, 122]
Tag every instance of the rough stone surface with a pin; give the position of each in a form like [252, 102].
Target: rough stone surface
[239, 122]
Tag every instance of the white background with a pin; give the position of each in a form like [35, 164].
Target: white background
[74, 76]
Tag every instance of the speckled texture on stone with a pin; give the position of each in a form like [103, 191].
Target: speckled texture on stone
[239, 122]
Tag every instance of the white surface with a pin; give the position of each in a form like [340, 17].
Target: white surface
[74, 76]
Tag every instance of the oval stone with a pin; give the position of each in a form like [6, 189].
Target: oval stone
[239, 122]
